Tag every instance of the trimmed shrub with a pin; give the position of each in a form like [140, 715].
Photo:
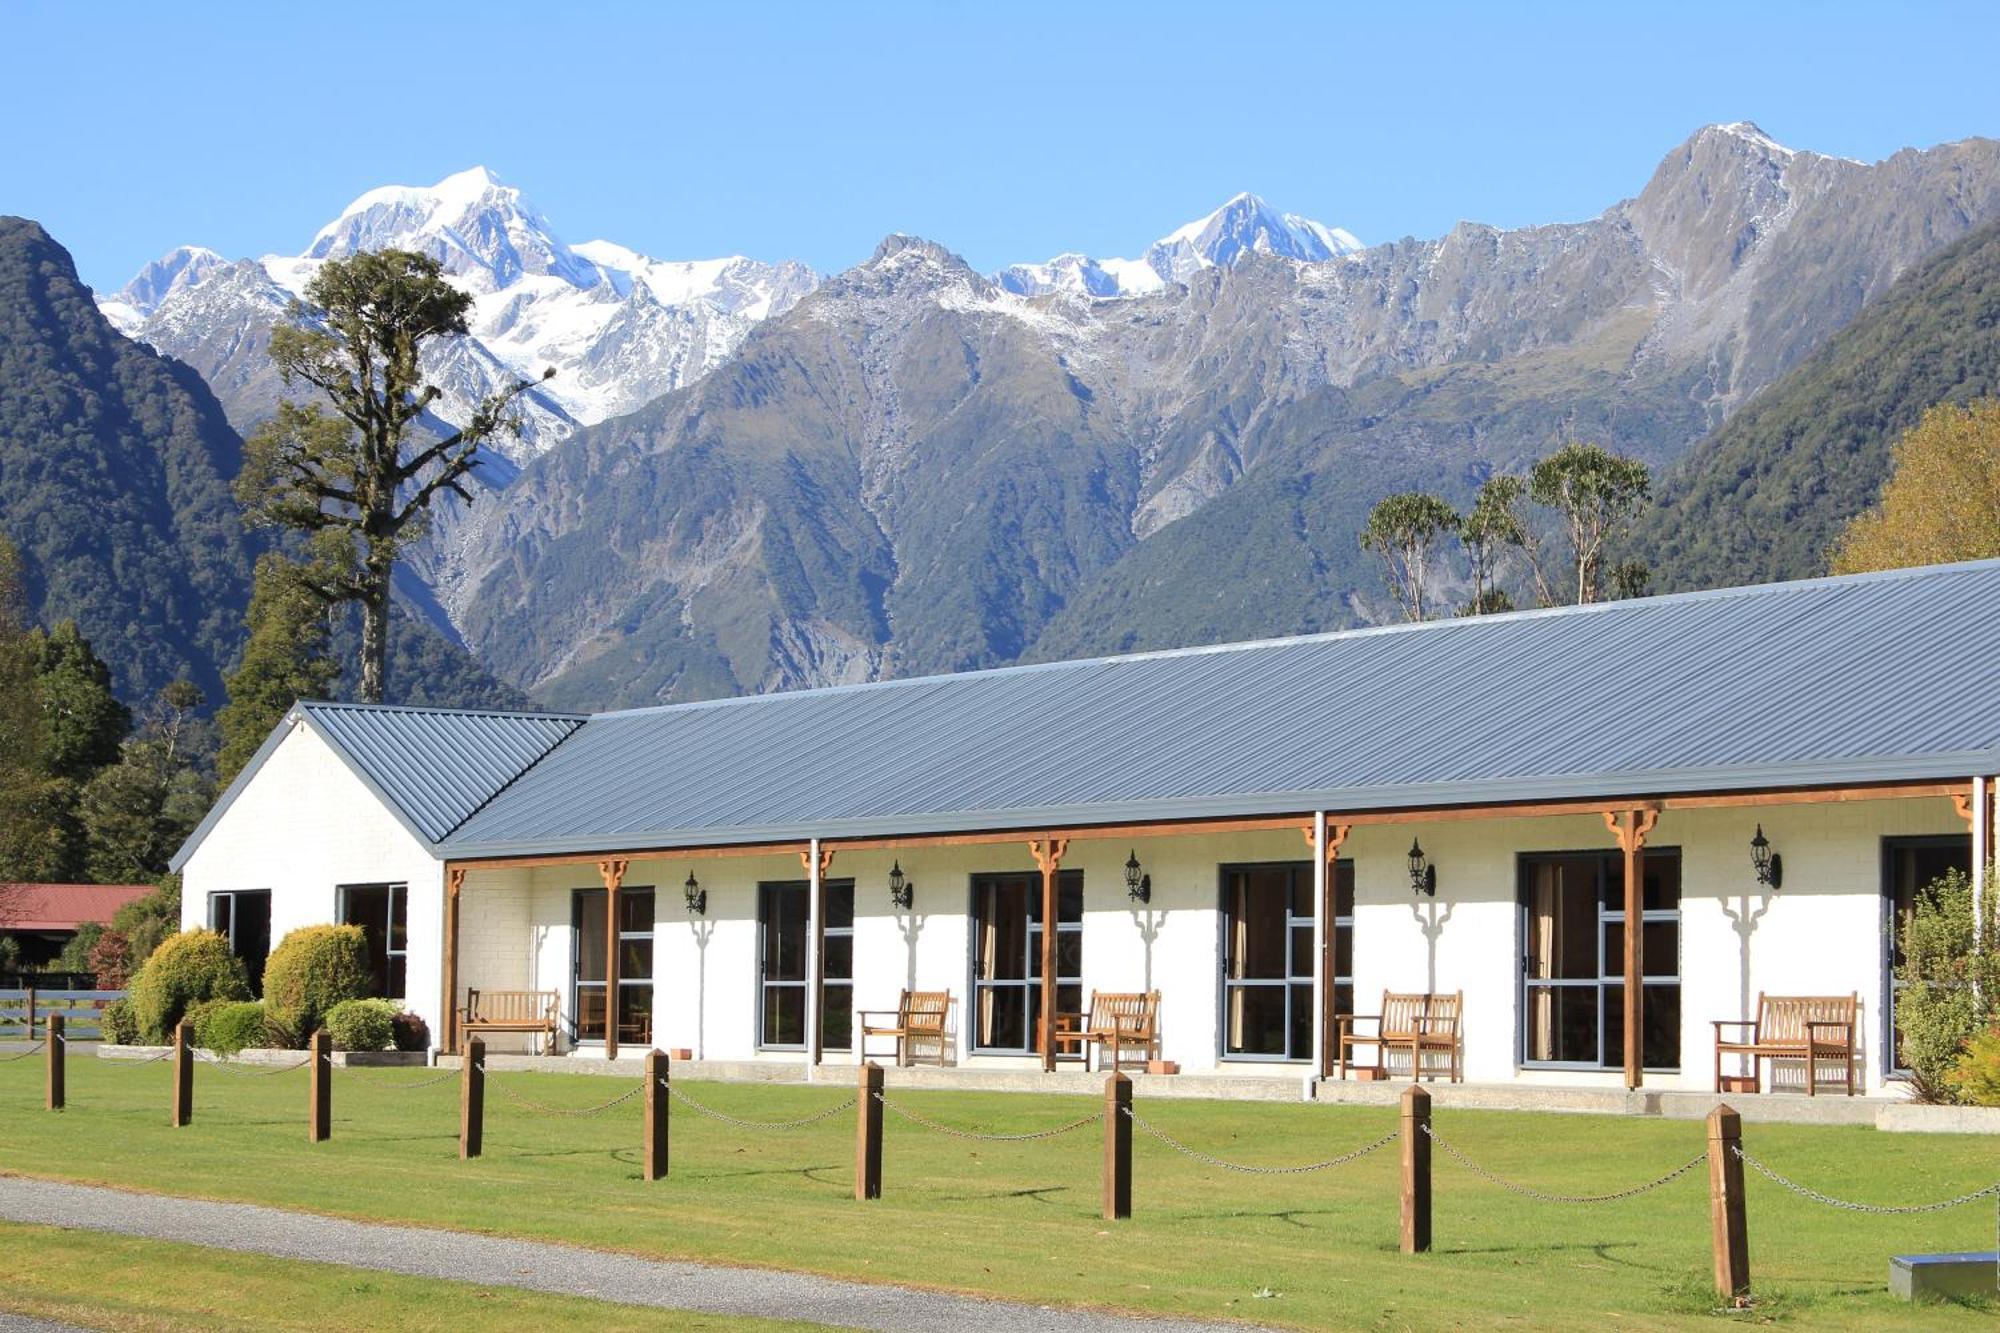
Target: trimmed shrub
[197, 1017]
[184, 970]
[362, 1025]
[120, 1027]
[1976, 1076]
[412, 1033]
[228, 1026]
[313, 969]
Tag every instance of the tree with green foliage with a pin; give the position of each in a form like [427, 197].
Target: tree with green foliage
[31, 846]
[285, 660]
[134, 814]
[1942, 500]
[1405, 530]
[1597, 494]
[82, 717]
[350, 477]
[1490, 529]
[1950, 981]
[145, 922]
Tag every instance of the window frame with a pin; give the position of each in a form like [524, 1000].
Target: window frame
[766, 889]
[577, 984]
[1030, 981]
[253, 966]
[1224, 983]
[394, 959]
[1892, 1067]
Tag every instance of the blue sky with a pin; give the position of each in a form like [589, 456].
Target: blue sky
[1007, 131]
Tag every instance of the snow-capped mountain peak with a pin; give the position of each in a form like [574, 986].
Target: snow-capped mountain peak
[175, 271]
[1244, 225]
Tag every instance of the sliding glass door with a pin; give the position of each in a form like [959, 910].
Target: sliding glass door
[1909, 866]
[635, 966]
[1573, 960]
[784, 933]
[1267, 958]
[1007, 958]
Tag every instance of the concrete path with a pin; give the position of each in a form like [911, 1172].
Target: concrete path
[538, 1266]
[20, 1323]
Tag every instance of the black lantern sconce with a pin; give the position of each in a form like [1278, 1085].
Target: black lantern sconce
[1423, 875]
[901, 892]
[1138, 884]
[695, 896]
[1770, 866]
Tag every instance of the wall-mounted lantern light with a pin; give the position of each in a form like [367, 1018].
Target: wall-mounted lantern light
[1138, 884]
[1770, 866]
[901, 892]
[1423, 875]
[695, 896]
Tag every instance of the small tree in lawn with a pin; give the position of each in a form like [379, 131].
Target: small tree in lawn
[1596, 492]
[1405, 530]
[350, 477]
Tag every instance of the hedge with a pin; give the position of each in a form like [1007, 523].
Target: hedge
[184, 970]
[117, 1025]
[313, 969]
[362, 1025]
[231, 1025]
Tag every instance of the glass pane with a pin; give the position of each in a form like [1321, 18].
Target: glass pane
[1562, 921]
[1001, 1022]
[1301, 1022]
[1069, 896]
[590, 941]
[1343, 999]
[1295, 885]
[1002, 936]
[1302, 951]
[1661, 1017]
[590, 1014]
[398, 985]
[218, 913]
[399, 918]
[1343, 951]
[635, 911]
[1562, 1024]
[1661, 891]
[837, 902]
[1069, 999]
[784, 908]
[1069, 954]
[784, 1015]
[840, 958]
[1255, 1021]
[1343, 888]
[635, 1015]
[1660, 948]
[836, 1017]
[1256, 927]
[635, 959]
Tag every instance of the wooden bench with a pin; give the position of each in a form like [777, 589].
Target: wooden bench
[918, 1021]
[529, 1011]
[1419, 1022]
[1120, 1020]
[1812, 1028]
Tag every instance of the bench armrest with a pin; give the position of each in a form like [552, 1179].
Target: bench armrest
[1720, 1023]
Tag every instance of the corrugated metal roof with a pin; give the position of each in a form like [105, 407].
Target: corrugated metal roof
[1871, 677]
[63, 906]
[435, 766]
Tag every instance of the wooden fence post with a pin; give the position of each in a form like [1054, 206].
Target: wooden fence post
[472, 1098]
[28, 1013]
[57, 1050]
[655, 1154]
[1117, 1147]
[1416, 1170]
[868, 1133]
[319, 1105]
[183, 1073]
[1725, 1204]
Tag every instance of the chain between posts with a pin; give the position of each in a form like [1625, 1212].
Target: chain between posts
[238, 1067]
[916, 1118]
[22, 1055]
[1991, 1191]
[727, 1119]
[153, 1059]
[1249, 1170]
[446, 1077]
[1529, 1192]
[573, 1112]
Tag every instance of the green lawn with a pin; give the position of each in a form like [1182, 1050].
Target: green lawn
[1020, 1220]
[121, 1282]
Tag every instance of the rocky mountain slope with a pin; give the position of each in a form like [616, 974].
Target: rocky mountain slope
[619, 328]
[918, 469]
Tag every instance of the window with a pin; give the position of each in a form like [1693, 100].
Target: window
[1267, 957]
[1573, 959]
[1910, 865]
[244, 919]
[781, 994]
[382, 912]
[635, 965]
[1007, 958]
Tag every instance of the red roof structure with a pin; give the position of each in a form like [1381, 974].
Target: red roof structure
[63, 906]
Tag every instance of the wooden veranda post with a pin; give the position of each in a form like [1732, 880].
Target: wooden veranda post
[319, 1096]
[472, 1099]
[1327, 889]
[657, 1122]
[1631, 829]
[1117, 1147]
[1416, 1122]
[183, 1111]
[57, 1043]
[1725, 1204]
[868, 1133]
[454, 884]
[1048, 854]
[613, 871]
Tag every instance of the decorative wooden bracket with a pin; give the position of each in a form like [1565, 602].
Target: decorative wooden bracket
[825, 859]
[1630, 827]
[1336, 838]
[613, 870]
[1048, 853]
[454, 880]
[1961, 801]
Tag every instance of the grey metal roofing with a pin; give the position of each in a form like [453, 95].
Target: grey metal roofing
[1870, 677]
[431, 767]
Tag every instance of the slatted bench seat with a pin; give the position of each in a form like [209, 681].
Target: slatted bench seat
[1818, 1029]
[1420, 1023]
[1120, 1020]
[918, 1024]
[527, 1011]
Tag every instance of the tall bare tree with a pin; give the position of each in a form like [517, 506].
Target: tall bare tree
[351, 477]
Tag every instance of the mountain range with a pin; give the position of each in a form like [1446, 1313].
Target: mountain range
[746, 477]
